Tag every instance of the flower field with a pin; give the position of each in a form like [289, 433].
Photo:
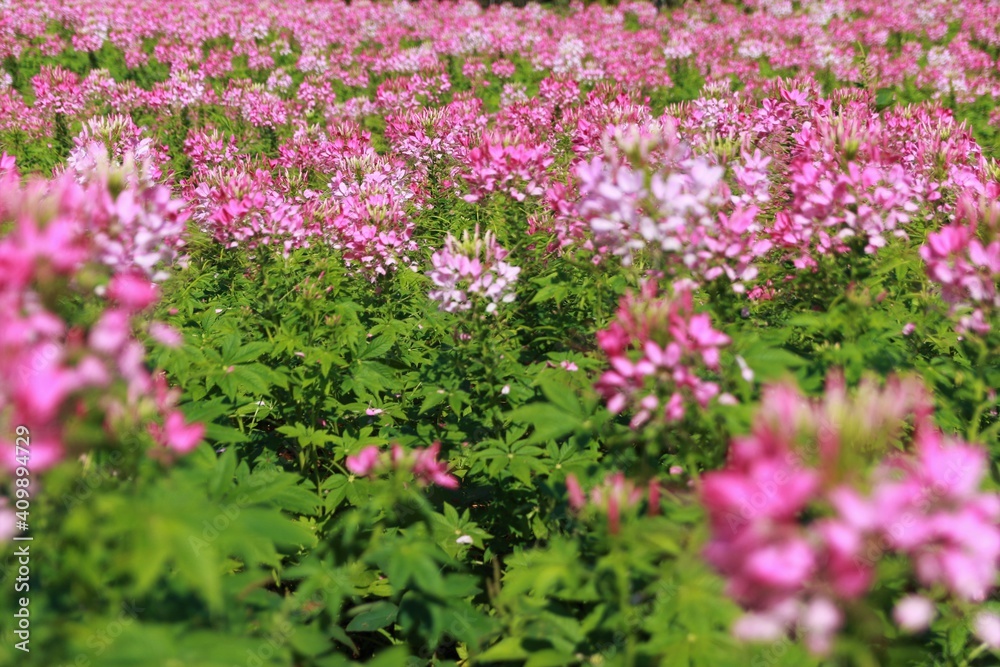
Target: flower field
[426, 334]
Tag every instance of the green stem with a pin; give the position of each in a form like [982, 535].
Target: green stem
[975, 654]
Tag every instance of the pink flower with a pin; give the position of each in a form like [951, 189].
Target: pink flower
[611, 497]
[166, 335]
[132, 291]
[925, 504]
[782, 564]
[111, 332]
[428, 468]
[987, 627]
[820, 621]
[364, 461]
[914, 613]
[577, 500]
[177, 434]
[469, 270]
[659, 350]
[759, 627]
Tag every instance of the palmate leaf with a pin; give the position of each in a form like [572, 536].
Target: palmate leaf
[193, 522]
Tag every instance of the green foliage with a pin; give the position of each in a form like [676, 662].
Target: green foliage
[261, 547]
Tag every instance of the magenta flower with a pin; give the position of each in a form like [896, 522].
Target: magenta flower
[177, 434]
[364, 461]
[611, 497]
[51, 369]
[427, 468]
[648, 193]
[423, 464]
[659, 350]
[788, 570]
[513, 164]
[165, 335]
[134, 292]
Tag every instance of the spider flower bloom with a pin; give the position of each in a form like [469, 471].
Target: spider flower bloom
[658, 349]
[364, 461]
[966, 267]
[471, 270]
[55, 372]
[611, 497]
[423, 463]
[648, 194]
[801, 460]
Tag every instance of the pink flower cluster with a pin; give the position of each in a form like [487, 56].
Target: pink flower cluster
[57, 376]
[373, 229]
[844, 185]
[244, 204]
[648, 195]
[614, 494]
[472, 270]
[136, 223]
[364, 213]
[423, 463]
[515, 165]
[799, 527]
[119, 137]
[965, 266]
[658, 349]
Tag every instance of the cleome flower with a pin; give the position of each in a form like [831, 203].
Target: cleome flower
[659, 350]
[472, 270]
[422, 462]
[798, 527]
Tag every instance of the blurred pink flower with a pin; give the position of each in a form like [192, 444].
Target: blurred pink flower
[364, 461]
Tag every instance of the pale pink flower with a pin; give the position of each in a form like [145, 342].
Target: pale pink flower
[986, 625]
[914, 613]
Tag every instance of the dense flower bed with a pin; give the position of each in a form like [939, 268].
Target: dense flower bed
[422, 334]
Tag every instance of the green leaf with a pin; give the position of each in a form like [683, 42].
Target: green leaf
[549, 422]
[549, 658]
[309, 640]
[432, 399]
[378, 347]
[371, 617]
[247, 353]
[224, 435]
[505, 650]
[562, 396]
